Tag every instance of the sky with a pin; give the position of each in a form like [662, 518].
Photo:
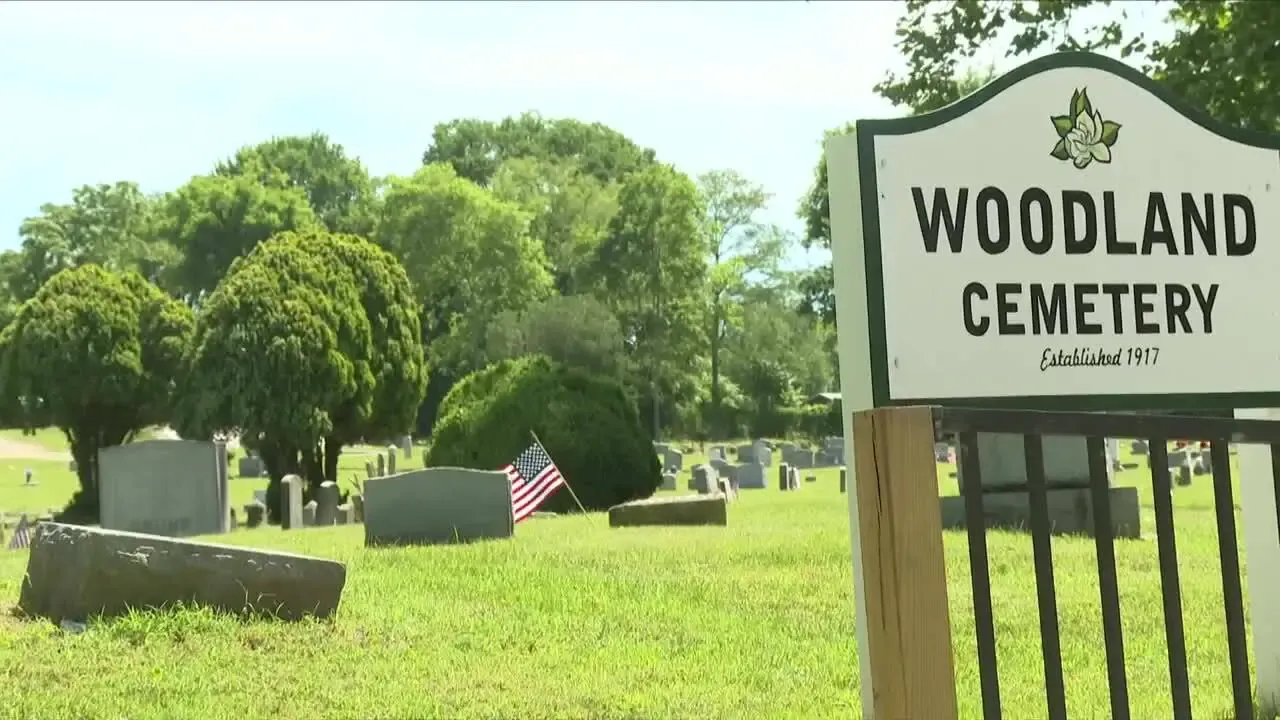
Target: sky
[157, 92]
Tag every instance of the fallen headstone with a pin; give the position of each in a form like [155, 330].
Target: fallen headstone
[75, 572]
[669, 510]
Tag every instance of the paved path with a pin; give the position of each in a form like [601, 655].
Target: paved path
[14, 449]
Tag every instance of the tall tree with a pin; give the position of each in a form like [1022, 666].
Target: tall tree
[570, 211]
[815, 211]
[215, 219]
[109, 225]
[477, 148]
[652, 271]
[736, 246]
[99, 352]
[337, 187]
[469, 256]
[1221, 55]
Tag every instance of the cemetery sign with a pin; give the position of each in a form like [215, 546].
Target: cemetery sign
[1066, 237]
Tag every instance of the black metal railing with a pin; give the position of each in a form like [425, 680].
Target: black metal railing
[965, 425]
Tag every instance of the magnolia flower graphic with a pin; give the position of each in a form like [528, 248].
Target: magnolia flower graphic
[1083, 136]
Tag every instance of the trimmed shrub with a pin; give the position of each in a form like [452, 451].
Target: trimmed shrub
[586, 423]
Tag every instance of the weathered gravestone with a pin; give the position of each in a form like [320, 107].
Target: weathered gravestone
[175, 488]
[235, 523]
[391, 461]
[671, 510]
[673, 460]
[763, 455]
[382, 466]
[255, 513]
[309, 514]
[784, 476]
[75, 572]
[369, 470]
[668, 481]
[1138, 447]
[327, 503]
[249, 466]
[793, 479]
[746, 454]
[438, 505]
[291, 503]
[750, 476]
[716, 453]
[703, 479]
[406, 446]
[722, 467]
[797, 457]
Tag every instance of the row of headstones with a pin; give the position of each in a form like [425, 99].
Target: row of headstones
[760, 452]
[720, 476]
[251, 465]
[1185, 462]
[324, 510]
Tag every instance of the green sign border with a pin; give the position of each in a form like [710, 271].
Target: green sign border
[866, 131]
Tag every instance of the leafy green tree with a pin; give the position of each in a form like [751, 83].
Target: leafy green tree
[108, 225]
[587, 424]
[736, 246]
[815, 211]
[469, 256]
[99, 352]
[215, 219]
[577, 331]
[477, 148]
[570, 211]
[1221, 55]
[337, 187]
[652, 271]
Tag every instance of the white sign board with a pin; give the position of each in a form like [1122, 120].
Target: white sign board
[1066, 237]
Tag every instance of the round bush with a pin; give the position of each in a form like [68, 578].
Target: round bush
[587, 424]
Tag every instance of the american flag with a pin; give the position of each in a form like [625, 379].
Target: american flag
[534, 477]
[21, 535]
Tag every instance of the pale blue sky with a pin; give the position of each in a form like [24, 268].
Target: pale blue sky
[156, 92]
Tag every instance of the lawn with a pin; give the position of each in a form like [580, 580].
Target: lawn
[574, 620]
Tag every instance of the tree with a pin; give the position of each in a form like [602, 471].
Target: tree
[215, 219]
[337, 187]
[99, 352]
[586, 423]
[477, 148]
[570, 211]
[577, 331]
[108, 225]
[815, 211]
[469, 256]
[652, 272]
[1221, 56]
[736, 245]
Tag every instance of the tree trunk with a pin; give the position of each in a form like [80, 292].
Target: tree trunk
[717, 415]
[332, 451]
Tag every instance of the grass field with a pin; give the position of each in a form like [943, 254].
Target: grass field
[574, 620]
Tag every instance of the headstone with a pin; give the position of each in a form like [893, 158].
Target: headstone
[75, 572]
[671, 510]
[725, 487]
[327, 503]
[260, 496]
[438, 505]
[793, 479]
[164, 487]
[722, 467]
[382, 466]
[746, 454]
[406, 446]
[234, 524]
[811, 478]
[784, 477]
[716, 453]
[750, 476]
[249, 466]
[343, 514]
[255, 513]
[704, 479]
[1183, 476]
[1004, 463]
[673, 460]
[391, 461]
[844, 476]
[661, 448]
[942, 452]
[1138, 447]
[760, 449]
[668, 481]
[797, 457]
[369, 469]
[291, 517]
[309, 514]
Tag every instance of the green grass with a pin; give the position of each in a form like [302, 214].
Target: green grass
[574, 620]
